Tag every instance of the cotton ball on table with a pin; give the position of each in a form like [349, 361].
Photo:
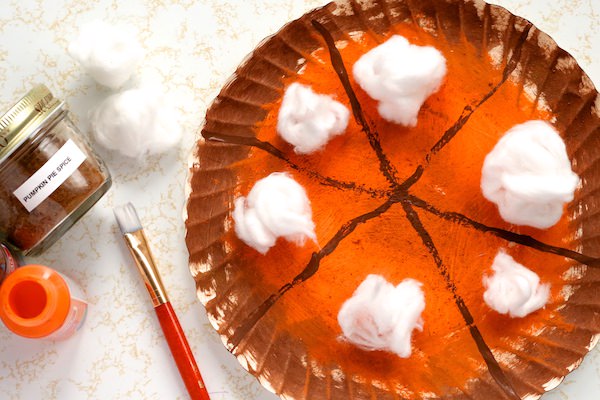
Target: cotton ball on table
[528, 175]
[381, 316]
[309, 120]
[401, 76]
[513, 289]
[277, 206]
[109, 54]
[136, 122]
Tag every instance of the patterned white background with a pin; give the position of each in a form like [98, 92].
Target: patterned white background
[191, 47]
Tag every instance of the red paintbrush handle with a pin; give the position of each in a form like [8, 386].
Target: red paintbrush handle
[181, 352]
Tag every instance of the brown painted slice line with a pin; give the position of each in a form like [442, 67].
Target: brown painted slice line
[220, 267]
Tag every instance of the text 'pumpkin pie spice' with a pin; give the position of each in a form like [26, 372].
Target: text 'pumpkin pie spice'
[49, 175]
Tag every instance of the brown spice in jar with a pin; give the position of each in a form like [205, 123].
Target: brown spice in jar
[55, 214]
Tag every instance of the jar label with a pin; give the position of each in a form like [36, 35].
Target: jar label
[76, 315]
[50, 176]
[73, 322]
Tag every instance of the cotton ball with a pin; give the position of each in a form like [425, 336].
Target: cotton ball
[528, 175]
[109, 54]
[309, 120]
[381, 316]
[136, 122]
[277, 206]
[401, 76]
[514, 289]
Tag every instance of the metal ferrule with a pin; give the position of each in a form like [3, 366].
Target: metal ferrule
[138, 247]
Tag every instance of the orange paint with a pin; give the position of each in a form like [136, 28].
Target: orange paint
[38, 302]
[444, 355]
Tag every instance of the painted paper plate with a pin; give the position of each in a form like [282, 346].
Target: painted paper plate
[402, 203]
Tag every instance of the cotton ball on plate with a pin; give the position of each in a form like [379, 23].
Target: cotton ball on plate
[277, 206]
[108, 53]
[381, 316]
[401, 76]
[136, 122]
[528, 175]
[308, 120]
[513, 289]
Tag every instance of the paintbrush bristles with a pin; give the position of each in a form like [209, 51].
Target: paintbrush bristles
[127, 218]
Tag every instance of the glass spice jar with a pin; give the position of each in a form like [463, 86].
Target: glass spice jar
[49, 175]
[9, 261]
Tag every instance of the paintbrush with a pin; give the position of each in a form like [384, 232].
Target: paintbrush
[132, 231]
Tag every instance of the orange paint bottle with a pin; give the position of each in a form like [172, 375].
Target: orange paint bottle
[38, 302]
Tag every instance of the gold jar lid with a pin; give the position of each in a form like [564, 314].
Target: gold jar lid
[25, 118]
